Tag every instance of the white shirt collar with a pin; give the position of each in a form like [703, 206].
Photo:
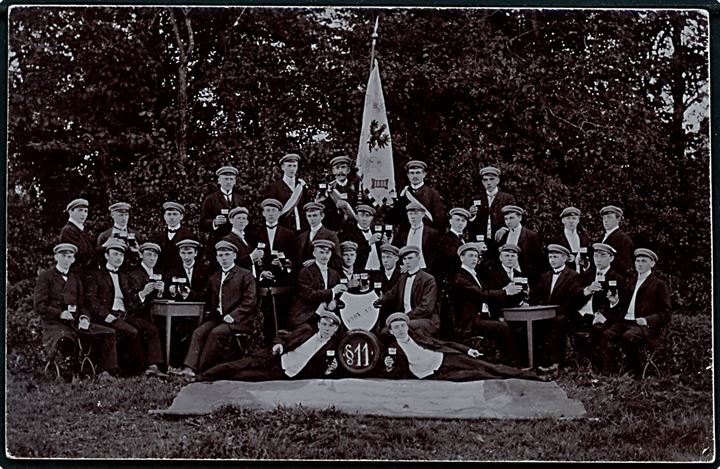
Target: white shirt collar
[109, 267]
[603, 271]
[176, 227]
[418, 228]
[192, 266]
[316, 229]
[389, 272]
[341, 184]
[418, 186]
[645, 275]
[413, 272]
[456, 232]
[63, 272]
[238, 232]
[558, 271]
[119, 228]
[290, 182]
[471, 271]
[227, 271]
[509, 269]
[609, 232]
[493, 193]
[570, 231]
[81, 227]
[229, 194]
[147, 269]
[517, 229]
[322, 267]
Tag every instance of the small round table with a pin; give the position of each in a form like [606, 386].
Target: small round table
[529, 314]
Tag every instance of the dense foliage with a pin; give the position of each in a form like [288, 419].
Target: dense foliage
[576, 107]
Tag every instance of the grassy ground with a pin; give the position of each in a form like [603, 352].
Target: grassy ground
[651, 419]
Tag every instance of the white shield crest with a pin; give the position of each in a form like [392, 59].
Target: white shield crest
[359, 312]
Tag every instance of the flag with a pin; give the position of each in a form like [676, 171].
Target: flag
[374, 159]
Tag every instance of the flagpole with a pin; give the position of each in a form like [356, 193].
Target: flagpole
[374, 38]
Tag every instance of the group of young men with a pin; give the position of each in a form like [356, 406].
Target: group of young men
[443, 278]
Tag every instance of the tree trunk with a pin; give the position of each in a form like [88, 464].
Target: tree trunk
[183, 133]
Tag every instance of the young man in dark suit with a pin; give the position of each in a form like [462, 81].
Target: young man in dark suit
[339, 195]
[120, 213]
[531, 260]
[447, 263]
[471, 300]
[231, 296]
[58, 299]
[74, 233]
[216, 206]
[420, 356]
[360, 232]
[316, 284]
[429, 200]
[314, 213]
[557, 287]
[292, 192]
[277, 244]
[420, 302]
[615, 237]
[114, 305]
[638, 314]
[390, 273]
[499, 277]
[167, 239]
[247, 253]
[145, 283]
[300, 354]
[486, 212]
[573, 239]
[195, 273]
[417, 234]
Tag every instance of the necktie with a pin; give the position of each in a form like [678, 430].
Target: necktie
[271, 227]
[170, 230]
[367, 230]
[112, 271]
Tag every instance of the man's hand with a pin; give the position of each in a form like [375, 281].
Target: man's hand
[341, 203]
[266, 274]
[614, 299]
[592, 288]
[403, 269]
[277, 349]
[332, 366]
[110, 318]
[500, 233]
[375, 238]
[228, 319]
[257, 255]
[147, 289]
[66, 315]
[173, 289]
[483, 246]
[473, 211]
[308, 262]
[331, 306]
[219, 220]
[159, 286]
[641, 322]
[339, 288]
[474, 353]
[389, 361]
[512, 289]
[599, 319]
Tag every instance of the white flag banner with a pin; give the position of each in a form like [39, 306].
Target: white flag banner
[374, 160]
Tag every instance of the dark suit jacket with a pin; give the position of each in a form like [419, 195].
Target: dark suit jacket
[652, 302]
[86, 256]
[496, 279]
[387, 284]
[284, 242]
[447, 262]
[423, 297]
[497, 219]
[244, 249]
[198, 283]
[585, 241]
[238, 298]
[351, 232]
[280, 191]
[52, 294]
[531, 259]
[311, 292]
[335, 218]
[623, 261]
[600, 303]
[211, 207]
[430, 198]
[564, 294]
[429, 242]
[304, 247]
[100, 294]
[169, 258]
[401, 367]
[468, 298]
[137, 279]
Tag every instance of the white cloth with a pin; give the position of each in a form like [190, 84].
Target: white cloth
[587, 307]
[415, 237]
[608, 233]
[422, 362]
[573, 240]
[514, 235]
[407, 294]
[295, 360]
[630, 315]
[291, 183]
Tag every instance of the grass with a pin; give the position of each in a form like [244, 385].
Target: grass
[652, 419]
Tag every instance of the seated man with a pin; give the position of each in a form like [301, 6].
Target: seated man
[172, 233]
[424, 237]
[499, 277]
[59, 301]
[144, 282]
[231, 295]
[471, 298]
[113, 303]
[302, 355]
[557, 287]
[415, 293]
[349, 270]
[390, 273]
[247, 255]
[419, 356]
[360, 232]
[195, 274]
[639, 312]
[317, 284]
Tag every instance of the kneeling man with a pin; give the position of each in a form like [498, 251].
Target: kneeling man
[420, 356]
[302, 355]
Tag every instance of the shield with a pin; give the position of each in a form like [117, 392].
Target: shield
[359, 312]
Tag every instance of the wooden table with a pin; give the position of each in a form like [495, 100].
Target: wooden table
[175, 309]
[529, 314]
